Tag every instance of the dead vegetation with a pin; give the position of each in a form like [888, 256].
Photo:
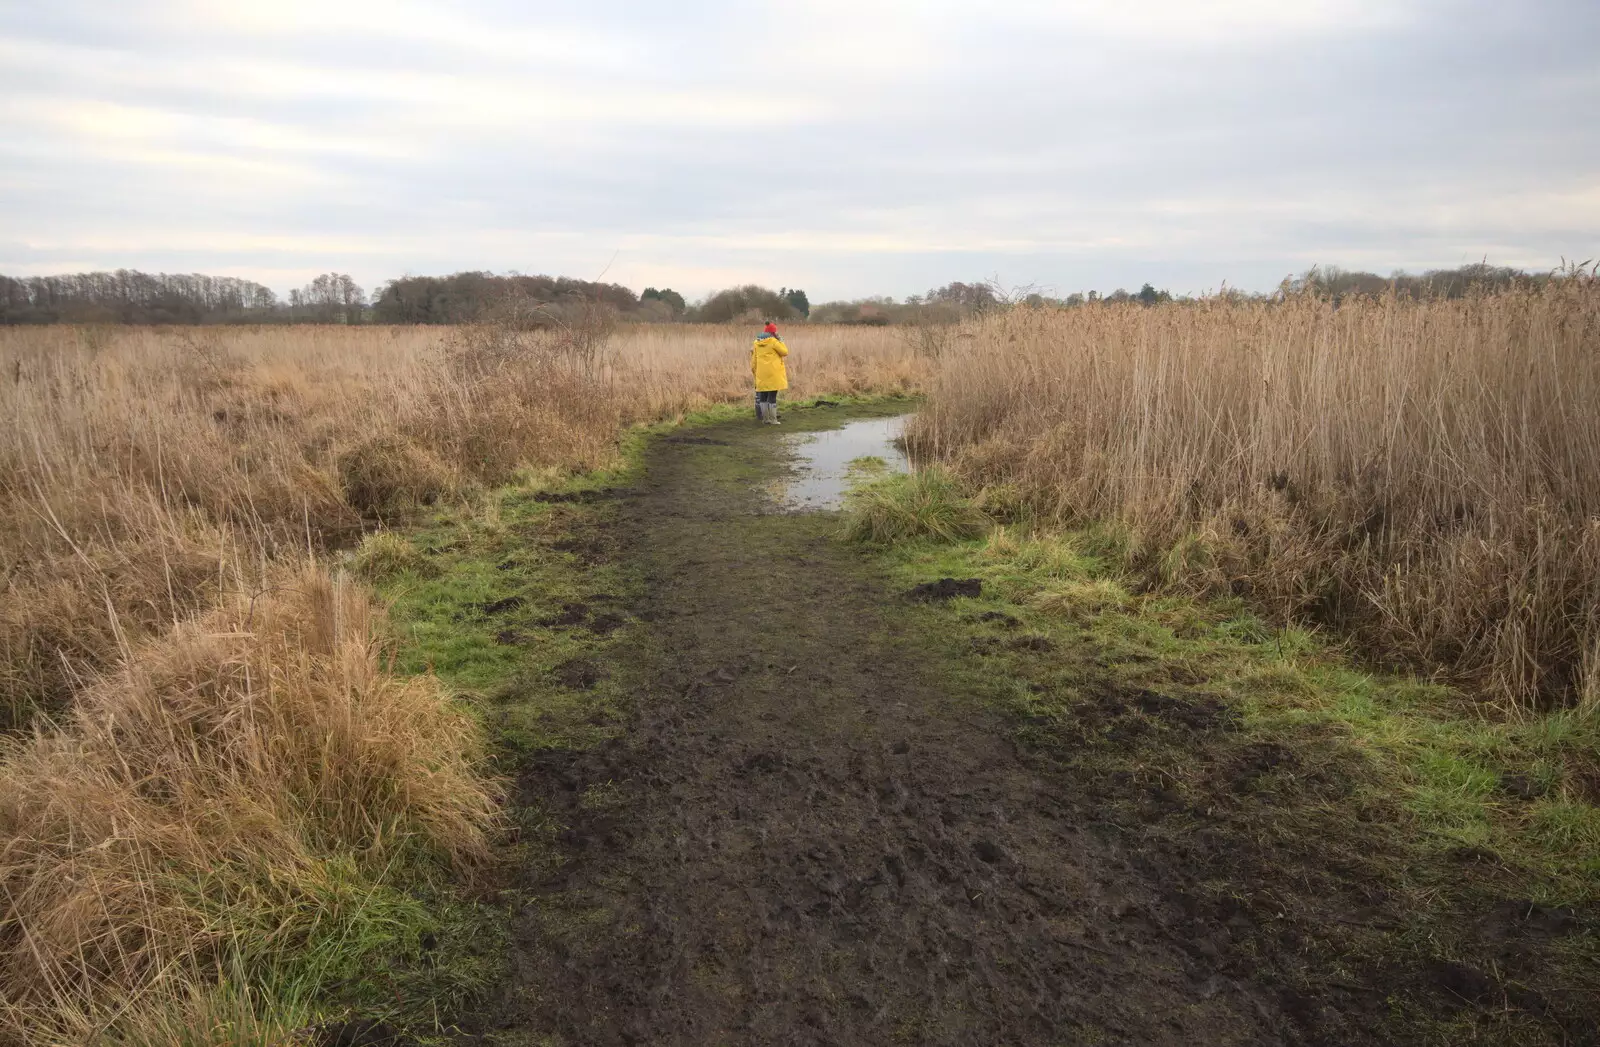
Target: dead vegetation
[1422, 475]
[147, 472]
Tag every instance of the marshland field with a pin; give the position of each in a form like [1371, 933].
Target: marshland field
[465, 684]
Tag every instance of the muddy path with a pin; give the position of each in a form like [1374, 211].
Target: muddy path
[810, 834]
[766, 798]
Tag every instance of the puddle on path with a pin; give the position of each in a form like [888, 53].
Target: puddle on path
[822, 460]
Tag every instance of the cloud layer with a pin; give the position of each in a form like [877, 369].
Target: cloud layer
[877, 146]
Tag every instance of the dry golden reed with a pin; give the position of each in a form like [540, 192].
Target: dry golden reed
[146, 472]
[1421, 475]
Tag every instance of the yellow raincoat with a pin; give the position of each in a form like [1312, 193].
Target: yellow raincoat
[766, 363]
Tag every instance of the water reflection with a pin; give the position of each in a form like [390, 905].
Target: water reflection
[825, 462]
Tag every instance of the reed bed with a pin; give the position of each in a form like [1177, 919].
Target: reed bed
[1422, 476]
[146, 472]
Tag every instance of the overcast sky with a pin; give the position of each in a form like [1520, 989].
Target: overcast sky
[849, 147]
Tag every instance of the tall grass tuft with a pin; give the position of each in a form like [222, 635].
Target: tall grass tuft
[233, 798]
[924, 504]
[1421, 475]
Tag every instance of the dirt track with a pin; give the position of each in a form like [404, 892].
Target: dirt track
[817, 840]
[821, 824]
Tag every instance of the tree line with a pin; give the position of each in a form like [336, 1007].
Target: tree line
[957, 300]
[131, 297]
[128, 296]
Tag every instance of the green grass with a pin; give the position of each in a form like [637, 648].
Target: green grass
[384, 555]
[927, 503]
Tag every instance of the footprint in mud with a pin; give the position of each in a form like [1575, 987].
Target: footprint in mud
[697, 441]
[589, 551]
[577, 497]
[1528, 918]
[1522, 786]
[1257, 761]
[763, 761]
[1197, 714]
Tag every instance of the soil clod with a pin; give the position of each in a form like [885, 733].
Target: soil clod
[575, 497]
[1515, 917]
[578, 674]
[946, 589]
[1467, 984]
[606, 623]
[1523, 787]
[359, 1032]
[572, 614]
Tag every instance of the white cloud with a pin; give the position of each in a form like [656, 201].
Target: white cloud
[866, 146]
[1218, 21]
[441, 26]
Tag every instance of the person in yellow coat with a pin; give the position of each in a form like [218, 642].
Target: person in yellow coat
[766, 365]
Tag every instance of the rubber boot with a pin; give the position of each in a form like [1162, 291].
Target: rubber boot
[761, 412]
[772, 414]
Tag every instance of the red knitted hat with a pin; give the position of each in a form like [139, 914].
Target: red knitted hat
[772, 328]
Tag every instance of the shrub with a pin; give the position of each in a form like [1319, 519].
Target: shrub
[748, 303]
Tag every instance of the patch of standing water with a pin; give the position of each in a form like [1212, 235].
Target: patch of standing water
[826, 462]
